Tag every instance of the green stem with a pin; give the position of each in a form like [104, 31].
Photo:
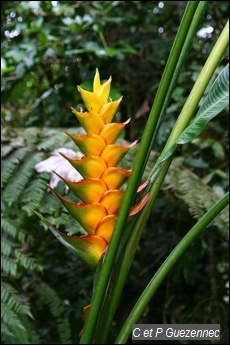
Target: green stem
[141, 159]
[163, 271]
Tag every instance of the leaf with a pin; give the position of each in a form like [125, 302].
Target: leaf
[216, 100]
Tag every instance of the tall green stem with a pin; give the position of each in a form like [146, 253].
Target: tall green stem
[172, 259]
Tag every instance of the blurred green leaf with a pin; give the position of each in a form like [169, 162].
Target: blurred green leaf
[216, 100]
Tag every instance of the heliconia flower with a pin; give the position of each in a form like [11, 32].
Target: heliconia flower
[99, 189]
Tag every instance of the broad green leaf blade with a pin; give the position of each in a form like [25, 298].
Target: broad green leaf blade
[216, 100]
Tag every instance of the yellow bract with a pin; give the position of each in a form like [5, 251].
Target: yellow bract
[101, 90]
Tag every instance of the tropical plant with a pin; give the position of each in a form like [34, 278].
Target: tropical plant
[115, 262]
[22, 183]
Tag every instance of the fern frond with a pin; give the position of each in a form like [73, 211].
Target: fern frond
[6, 246]
[5, 150]
[9, 266]
[10, 296]
[50, 205]
[8, 226]
[30, 135]
[17, 329]
[56, 140]
[10, 163]
[33, 195]
[21, 178]
[10, 318]
[4, 206]
[6, 334]
[57, 309]
[53, 138]
[28, 337]
[196, 194]
[13, 229]
[26, 261]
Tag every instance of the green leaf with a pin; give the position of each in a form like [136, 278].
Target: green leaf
[216, 100]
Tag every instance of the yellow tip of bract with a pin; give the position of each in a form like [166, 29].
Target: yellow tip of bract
[96, 82]
[100, 95]
[102, 90]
